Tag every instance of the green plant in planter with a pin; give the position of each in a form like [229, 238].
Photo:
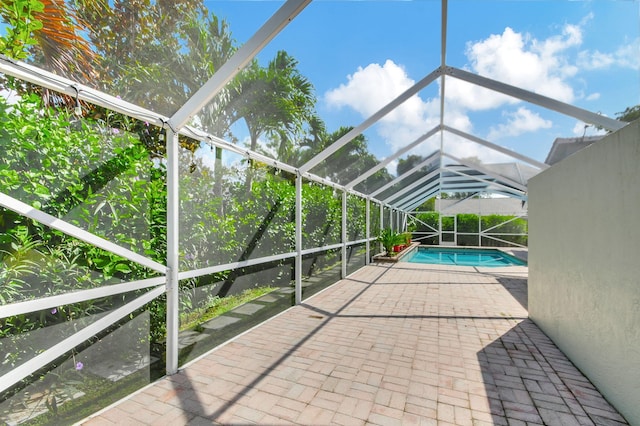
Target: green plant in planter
[389, 238]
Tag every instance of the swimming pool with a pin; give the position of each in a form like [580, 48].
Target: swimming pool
[462, 257]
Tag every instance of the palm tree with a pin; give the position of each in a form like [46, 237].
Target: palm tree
[140, 43]
[54, 37]
[49, 33]
[350, 161]
[208, 45]
[275, 100]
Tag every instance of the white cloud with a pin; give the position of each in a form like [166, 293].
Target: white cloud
[465, 149]
[540, 65]
[583, 129]
[410, 120]
[593, 96]
[595, 60]
[392, 167]
[521, 121]
[468, 96]
[389, 80]
[628, 55]
[522, 61]
[625, 56]
[417, 116]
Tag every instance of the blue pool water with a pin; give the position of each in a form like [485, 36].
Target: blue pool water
[460, 256]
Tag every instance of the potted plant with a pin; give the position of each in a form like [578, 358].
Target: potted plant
[389, 238]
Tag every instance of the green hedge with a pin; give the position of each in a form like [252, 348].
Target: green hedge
[468, 224]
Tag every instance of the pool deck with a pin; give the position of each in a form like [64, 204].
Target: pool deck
[392, 344]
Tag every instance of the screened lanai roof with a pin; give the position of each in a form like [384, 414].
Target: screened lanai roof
[434, 96]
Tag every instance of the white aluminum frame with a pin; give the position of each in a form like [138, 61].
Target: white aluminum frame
[283, 16]
[59, 349]
[49, 302]
[367, 230]
[454, 232]
[298, 264]
[53, 222]
[498, 148]
[173, 243]
[177, 124]
[488, 184]
[392, 157]
[536, 99]
[344, 234]
[370, 121]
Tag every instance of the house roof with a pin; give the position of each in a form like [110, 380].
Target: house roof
[564, 147]
[484, 206]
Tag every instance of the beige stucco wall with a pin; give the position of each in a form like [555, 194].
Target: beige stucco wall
[584, 263]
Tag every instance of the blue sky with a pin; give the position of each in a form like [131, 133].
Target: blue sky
[359, 55]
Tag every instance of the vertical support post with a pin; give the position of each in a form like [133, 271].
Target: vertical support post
[391, 221]
[381, 222]
[479, 228]
[344, 234]
[455, 229]
[173, 305]
[395, 220]
[367, 230]
[298, 264]
[479, 221]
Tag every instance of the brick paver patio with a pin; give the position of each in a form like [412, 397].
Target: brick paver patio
[402, 344]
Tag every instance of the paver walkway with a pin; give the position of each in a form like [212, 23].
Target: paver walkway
[402, 344]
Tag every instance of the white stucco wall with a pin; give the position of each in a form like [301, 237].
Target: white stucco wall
[584, 263]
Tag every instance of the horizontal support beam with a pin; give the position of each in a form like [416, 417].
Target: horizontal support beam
[26, 210]
[43, 359]
[42, 78]
[77, 297]
[195, 273]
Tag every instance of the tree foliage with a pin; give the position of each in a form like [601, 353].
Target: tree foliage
[21, 17]
[470, 226]
[629, 114]
[104, 172]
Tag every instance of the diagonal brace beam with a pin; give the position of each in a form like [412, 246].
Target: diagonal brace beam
[534, 98]
[390, 158]
[433, 157]
[498, 148]
[237, 62]
[370, 121]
